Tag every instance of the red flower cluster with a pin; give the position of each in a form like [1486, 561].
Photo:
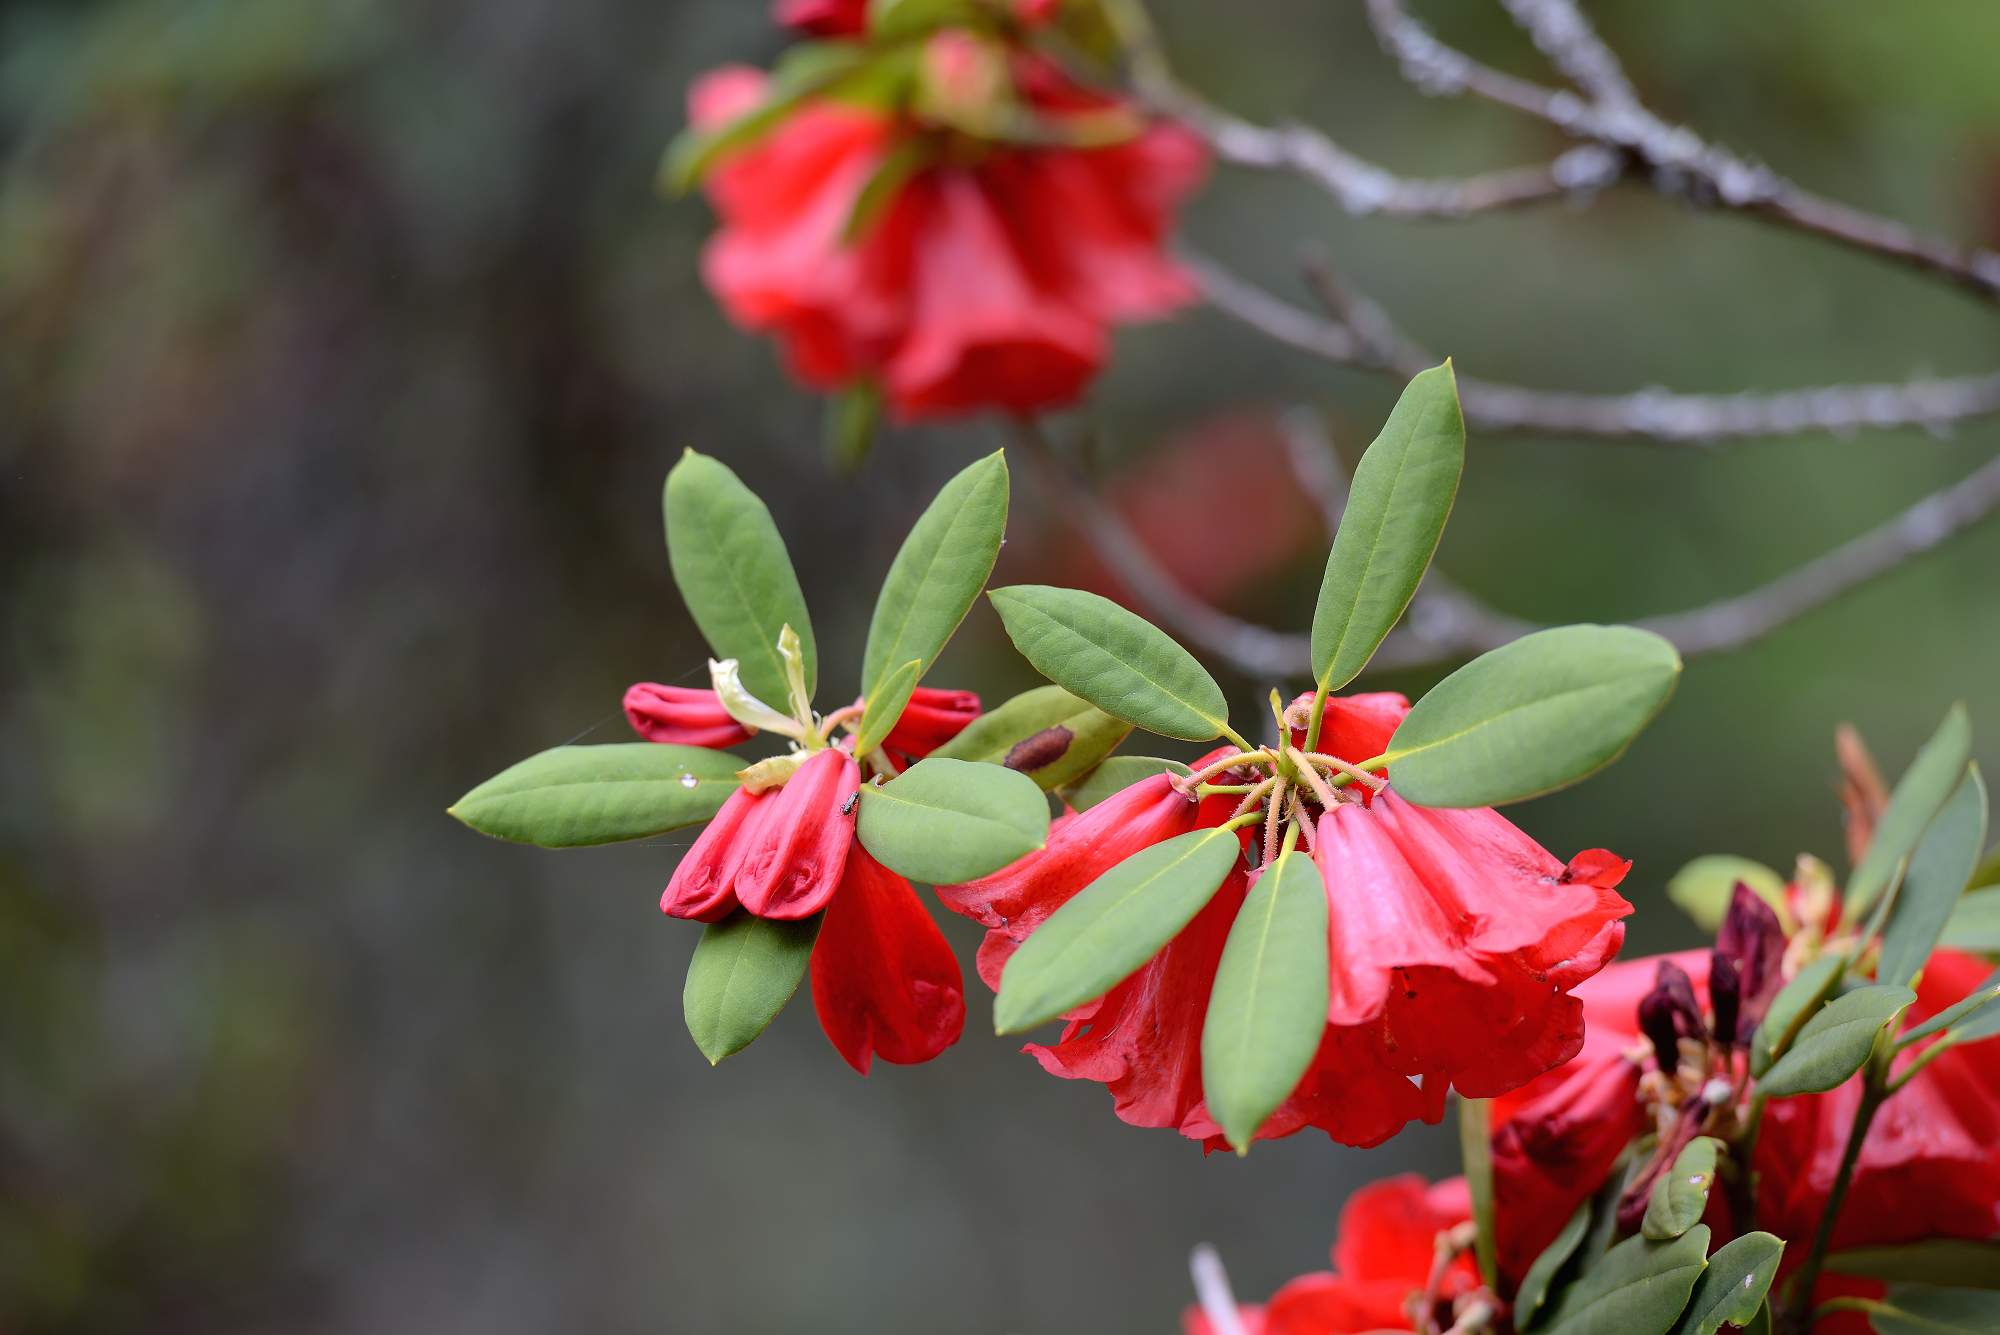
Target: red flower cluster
[1454, 943]
[987, 276]
[1382, 1259]
[884, 980]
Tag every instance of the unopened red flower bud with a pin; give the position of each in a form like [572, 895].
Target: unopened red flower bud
[704, 885]
[932, 718]
[800, 851]
[823, 18]
[681, 716]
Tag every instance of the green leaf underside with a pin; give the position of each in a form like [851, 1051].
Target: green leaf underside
[1935, 881]
[945, 821]
[571, 796]
[1534, 1288]
[1396, 510]
[1920, 794]
[1111, 927]
[1704, 888]
[734, 574]
[1953, 1263]
[885, 705]
[1835, 1043]
[939, 570]
[1733, 1287]
[1681, 1193]
[1975, 922]
[1973, 1004]
[1117, 661]
[1641, 1287]
[1917, 1310]
[1532, 716]
[1114, 776]
[1267, 1008]
[743, 972]
[1797, 1002]
[992, 737]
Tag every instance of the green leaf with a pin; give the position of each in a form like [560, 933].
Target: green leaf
[1732, 1289]
[1835, 1043]
[1115, 775]
[1396, 508]
[1920, 794]
[1988, 870]
[993, 736]
[848, 427]
[1475, 1150]
[946, 821]
[732, 569]
[1916, 1310]
[743, 972]
[1681, 1193]
[1532, 716]
[1639, 1288]
[1267, 1009]
[1120, 662]
[885, 705]
[569, 796]
[1704, 888]
[1975, 922]
[1797, 1002]
[1935, 881]
[941, 568]
[1953, 1263]
[1111, 927]
[1535, 1284]
[1972, 1003]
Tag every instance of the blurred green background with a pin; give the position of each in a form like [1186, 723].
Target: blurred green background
[343, 348]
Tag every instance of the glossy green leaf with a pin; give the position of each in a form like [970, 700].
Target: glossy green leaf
[743, 972]
[569, 796]
[1267, 1009]
[1973, 1003]
[1975, 922]
[1396, 509]
[1534, 1288]
[1935, 881]
[1029, 728]
[1532, 716]
[1732, 1289]
[1835, 1043]
[941, 568]
[885, 706]
[1953, 1263]
[733, 572]
[1111, 927]
[1797, 1002]
[1641, 1287]
[1920, 794]
[1115, 775]
[945, 821]
[1704, 888]
[1918, 1310]
[1681, 1193]
[1120, 662]
[1475, 1150]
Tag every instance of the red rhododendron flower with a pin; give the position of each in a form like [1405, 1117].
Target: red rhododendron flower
[884, 980]
[931, 719]
[682, 716]
[823, 18]
[793, 862]
[985, 280]
[1454, 942]
[1382, 1259]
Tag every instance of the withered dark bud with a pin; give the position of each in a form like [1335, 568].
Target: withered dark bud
[1043, 748]
[1753, 940]
[1725, 993]
[1668, 1013]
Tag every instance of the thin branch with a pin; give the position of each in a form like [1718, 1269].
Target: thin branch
[1681, 161]
[1444, 622]
[1650, 414]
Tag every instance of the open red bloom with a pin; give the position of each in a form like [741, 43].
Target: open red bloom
[981, 284]
[681, 716]
[1381, 1265]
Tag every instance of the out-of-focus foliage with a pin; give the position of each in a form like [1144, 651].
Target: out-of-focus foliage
[343, 347]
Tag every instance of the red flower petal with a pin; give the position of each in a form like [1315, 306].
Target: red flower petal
[932, 718]
[823, 18]
[1356, 727]
[1599, 867]
[681, 716]
[704, 884]
[1554, 1152]
[883, 978]
[794, 865]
